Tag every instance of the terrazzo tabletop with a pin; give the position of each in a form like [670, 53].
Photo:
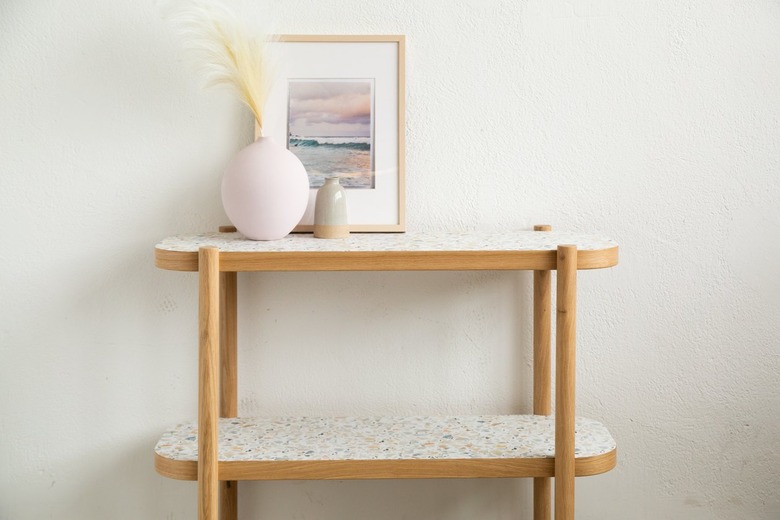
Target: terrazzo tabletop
[386, 438]
[474, 241]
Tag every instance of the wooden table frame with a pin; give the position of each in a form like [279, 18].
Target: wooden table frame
[217, 369]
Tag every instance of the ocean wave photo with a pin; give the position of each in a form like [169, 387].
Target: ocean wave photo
[331, 130]
[349, 158]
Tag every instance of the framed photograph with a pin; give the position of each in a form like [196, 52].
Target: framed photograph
[338, 104]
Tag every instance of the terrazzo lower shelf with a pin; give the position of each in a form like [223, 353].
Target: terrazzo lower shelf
[304, 448]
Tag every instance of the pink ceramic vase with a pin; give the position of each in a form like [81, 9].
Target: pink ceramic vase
[265, 190]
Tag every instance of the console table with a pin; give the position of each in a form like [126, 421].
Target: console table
[220, 448]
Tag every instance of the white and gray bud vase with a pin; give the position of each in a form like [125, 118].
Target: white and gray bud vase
[330, 210]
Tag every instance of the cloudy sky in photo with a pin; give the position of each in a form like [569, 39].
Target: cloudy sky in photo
[330, 108]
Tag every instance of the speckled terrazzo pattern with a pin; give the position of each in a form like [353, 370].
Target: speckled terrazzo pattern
[515, 241]
[386, 438]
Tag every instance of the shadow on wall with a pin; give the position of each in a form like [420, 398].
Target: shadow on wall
[454, 499]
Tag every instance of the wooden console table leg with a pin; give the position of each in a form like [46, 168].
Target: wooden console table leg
[565, 329]
[542, 385]
[228, 379]
[208, 380]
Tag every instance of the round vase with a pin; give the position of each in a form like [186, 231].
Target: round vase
[265, 190]
[330, 210]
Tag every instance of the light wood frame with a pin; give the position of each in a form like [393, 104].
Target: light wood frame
[400, 40]
[217, 482]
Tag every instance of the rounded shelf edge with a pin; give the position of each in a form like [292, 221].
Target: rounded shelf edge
[175, 260]
[384, 469]
[385, 261]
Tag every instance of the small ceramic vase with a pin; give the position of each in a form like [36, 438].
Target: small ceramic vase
[330, 210]
[265, 190]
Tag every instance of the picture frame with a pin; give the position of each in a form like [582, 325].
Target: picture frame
[338, 103]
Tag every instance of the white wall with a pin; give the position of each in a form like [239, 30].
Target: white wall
[655, 122]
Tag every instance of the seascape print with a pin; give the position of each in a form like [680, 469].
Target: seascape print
[331, 129]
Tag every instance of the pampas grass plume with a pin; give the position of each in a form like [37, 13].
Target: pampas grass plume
[224, 51]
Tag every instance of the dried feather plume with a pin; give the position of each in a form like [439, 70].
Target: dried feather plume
[225, 52]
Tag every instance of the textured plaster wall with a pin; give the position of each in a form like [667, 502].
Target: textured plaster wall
[655, 122]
